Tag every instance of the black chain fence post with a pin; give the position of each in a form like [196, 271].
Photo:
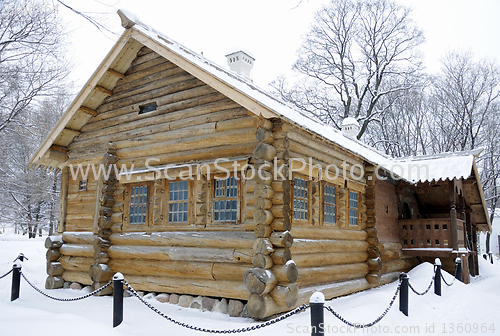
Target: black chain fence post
[403, 294]
[16, 281]
[491, 257]
[458, 269]
[437, 277]
[117, 299]
[317, 304]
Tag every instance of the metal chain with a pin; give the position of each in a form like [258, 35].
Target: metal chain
[366, 325]
[426, 291]
[215, 331]
[3, 276]
[447, 284]
[64, 299]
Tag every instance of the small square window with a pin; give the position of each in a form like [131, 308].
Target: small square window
[428, 227]
[404, 228]
[428, 242]
[445, 227]
[405, 241]
[411, 242]
[82, 185]
[411, 227]
[437, 241]
[148, 108]
[436, 226]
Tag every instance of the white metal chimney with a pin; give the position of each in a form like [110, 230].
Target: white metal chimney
[241, 62]
[350, 127]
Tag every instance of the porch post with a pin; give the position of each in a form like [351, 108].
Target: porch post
[453, 215]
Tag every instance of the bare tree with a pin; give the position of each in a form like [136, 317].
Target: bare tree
[31, 57]
[346, 59]
[465, 96]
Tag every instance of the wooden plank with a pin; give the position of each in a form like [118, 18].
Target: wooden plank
[115, 73]
[88, 111]
[103, 90]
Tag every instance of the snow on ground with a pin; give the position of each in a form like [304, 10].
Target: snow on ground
[461, 310]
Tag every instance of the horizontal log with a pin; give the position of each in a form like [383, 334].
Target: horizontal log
[219, 288]
[389, 246]
[227, 271]
[218, 239]
[287, 272]
[81, 264]
[262, 231]
[176, 269]
[77, 250]
[281, 239]
[263, 191]
[52, 254]
[326, 245]
[53, 242]
[264, 217]
[196, 254]
[399, 265]
[374, 264]
[262, 261]
[332, 290]
[80, 277]
[286, 295]
[281, 255]
[374, 278]
[326, 233]
[261, 306]
[264, 151]
[260, 281]
[54, 282]
[324, 259]
[54, 268]
[79, 237]
[100, 273]
[281, 224]
[387, 255]
[325, 274]
[263, 246]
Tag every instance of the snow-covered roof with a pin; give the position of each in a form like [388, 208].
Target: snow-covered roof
[446, 166]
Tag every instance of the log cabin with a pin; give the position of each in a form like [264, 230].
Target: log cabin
[189, 179]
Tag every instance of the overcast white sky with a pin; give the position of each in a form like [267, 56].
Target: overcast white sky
[271, 29]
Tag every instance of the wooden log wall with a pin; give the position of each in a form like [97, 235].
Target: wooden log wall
[210, 263]
[272, 281]
[54, 266]
[99, 271]
[192, 121]
[80, 208]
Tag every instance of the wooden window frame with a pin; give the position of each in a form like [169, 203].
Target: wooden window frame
[190, 201]
[322, 198]
[212, 199]
[349, 191]
[309, 198]
[149, 207]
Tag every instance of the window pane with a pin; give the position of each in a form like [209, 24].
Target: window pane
[177, 200]
[138, 205]
[301, 201]
[226, 200]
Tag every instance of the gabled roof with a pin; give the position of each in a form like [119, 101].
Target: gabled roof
[235, 87]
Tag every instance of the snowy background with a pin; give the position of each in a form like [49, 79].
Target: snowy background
[461, 310]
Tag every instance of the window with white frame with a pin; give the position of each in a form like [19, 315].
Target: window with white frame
[225, 198]
[353, 208]
[300, 199]
[329, 204]
[178, 197]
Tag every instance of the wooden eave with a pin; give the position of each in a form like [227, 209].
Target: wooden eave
[479, 208]
[84, 106]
